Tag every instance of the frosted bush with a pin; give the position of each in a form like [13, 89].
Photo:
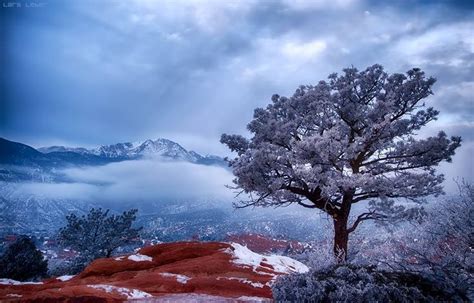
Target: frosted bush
[350, 283]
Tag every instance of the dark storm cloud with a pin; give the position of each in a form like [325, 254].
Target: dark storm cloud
[96, 72]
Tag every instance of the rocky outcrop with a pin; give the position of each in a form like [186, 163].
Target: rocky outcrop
[181, 271]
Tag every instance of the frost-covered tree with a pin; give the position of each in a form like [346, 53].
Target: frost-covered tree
[98, 234]
[340, 142]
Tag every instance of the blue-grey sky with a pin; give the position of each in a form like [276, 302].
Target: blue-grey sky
[86, 73]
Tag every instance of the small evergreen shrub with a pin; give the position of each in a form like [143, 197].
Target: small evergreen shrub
[22, 261]
[350, 283]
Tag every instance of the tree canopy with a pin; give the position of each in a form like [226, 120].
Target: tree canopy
[349, 139]
[98, 234]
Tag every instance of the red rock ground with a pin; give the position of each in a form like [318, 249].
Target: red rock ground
[166, 271]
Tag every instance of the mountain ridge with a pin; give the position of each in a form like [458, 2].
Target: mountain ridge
[16, 153]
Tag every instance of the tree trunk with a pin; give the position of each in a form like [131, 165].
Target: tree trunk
[341, 237]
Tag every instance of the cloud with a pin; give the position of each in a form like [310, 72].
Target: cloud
[195, 69]
[461, 168]
[318, 4]
[446, 44]
[68, 191]
[456, 100]
[209, 16]
[306, 51]
[139, 181]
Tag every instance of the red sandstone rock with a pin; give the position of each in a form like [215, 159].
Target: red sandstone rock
[182, 271]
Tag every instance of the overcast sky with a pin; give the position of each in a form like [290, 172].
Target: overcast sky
[86, 73]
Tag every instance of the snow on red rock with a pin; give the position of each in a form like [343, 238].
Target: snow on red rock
[262, 244]
[14, 282]
[65, 278]
[181, 271]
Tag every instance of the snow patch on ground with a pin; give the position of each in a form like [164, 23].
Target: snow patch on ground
[202, 298]
[253, 299]
[140, 258]
[65, 278]
[243, 280]
[180, 278]
[285, 264]
[14, 295]
[15, 282]
[129, 293]
[135, 257]
[244, 256]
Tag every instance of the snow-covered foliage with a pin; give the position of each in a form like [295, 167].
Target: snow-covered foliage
[443, 245]
[436, 255]
[349, 139]
[348, 283]
[318, 255]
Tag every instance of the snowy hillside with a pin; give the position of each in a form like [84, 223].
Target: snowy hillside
[22, 212]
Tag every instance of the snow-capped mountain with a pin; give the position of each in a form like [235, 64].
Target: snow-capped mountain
[63, 149]
[14, 153]
[159, 147]
[20, 162]
[149, 148]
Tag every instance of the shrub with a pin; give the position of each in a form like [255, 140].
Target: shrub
[350, 283]
[22, 261]
[98, 234]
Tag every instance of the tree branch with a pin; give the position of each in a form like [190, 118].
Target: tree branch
[363, 217]
[306, 205]
[395, 157]
[316, 198]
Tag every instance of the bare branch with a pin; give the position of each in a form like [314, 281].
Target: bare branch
[365, 216]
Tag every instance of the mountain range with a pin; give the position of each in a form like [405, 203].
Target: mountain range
[29, 176]
[18, 154]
